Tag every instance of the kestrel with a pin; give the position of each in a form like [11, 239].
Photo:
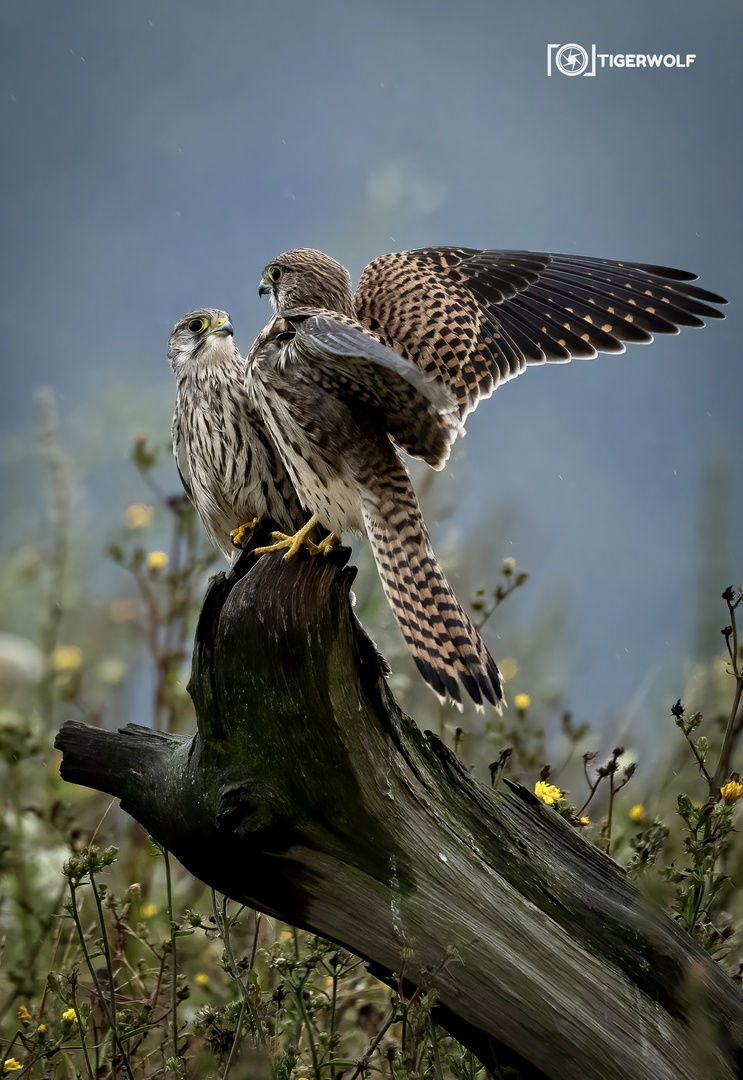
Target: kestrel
[473, 319]
[226, 461]
[462, 318]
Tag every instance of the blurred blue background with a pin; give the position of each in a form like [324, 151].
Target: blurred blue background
[158, 153]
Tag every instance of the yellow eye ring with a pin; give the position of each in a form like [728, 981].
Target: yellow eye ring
[274, 273]
[197, 326]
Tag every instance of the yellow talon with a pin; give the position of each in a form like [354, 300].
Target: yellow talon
[239, 534]
[326, 546]
[292, 543]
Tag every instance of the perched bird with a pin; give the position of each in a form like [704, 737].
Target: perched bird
[333, 399]
[228, 466]
[463, 318]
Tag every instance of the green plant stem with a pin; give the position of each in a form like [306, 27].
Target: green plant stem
[236, 1039]
[435, 1048]
[83, 1042]
[363, 1063]
[94, 978]
[173, 955]
[310, 1035]
[732, 729]
[224, 926]
[106, 950]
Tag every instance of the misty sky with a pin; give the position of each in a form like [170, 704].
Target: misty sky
[158, 153]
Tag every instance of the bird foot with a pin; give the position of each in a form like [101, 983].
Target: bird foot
[292, 544]
[326, 546]
[240, 534]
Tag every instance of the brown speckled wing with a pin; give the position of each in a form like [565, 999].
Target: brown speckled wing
[473, 318]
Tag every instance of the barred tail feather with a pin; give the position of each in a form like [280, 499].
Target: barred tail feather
[445, 646]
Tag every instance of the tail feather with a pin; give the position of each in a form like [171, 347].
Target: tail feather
[446, 647]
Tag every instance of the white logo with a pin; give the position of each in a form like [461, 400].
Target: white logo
[573, 59]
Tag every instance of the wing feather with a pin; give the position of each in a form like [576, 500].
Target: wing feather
[419, 413]
[472, 318]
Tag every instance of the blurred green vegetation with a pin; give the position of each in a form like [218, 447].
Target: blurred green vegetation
[98, 610]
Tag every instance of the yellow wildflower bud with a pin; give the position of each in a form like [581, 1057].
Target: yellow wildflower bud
[731, 792]
[41, 1029]
[156, 560]
[201, 978]
[522, 702]
[12, 1065]
[508, 667]
[581, 822]
[637, 813]
[548, 793]
[23, 1014]
[69, 1016]
[148, 910]
[137, 516]
[67, 658]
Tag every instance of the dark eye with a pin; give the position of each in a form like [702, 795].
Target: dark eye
[197, 325]
[275, 273]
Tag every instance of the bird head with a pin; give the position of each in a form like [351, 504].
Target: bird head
[304, 278]
[202, 337]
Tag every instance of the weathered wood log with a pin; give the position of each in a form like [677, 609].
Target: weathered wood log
[307, 794]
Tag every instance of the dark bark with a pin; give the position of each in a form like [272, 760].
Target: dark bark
[306, 793]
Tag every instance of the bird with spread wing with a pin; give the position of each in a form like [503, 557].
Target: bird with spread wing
[343, 381]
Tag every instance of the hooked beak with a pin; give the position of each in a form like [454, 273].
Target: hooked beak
[263, 290]
[223, 328]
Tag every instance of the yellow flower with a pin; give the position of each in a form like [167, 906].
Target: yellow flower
[41, 1029]
[67, 658]
[12, 1065]
[23, 1014]
[137, 516]
[508, 668]
[201, 978]
[69, 1016]
[637, 813]
[148, 910]
[522, 702]
[286, 935]
[548, 793]
[581, 822]
[731, 791]
[156, 560]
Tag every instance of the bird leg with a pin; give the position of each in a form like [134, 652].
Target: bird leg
[300, 539]
[239, 534]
